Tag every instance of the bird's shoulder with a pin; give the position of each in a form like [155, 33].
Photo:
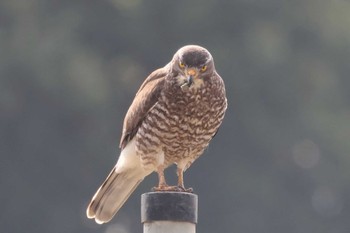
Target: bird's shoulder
[146, 97]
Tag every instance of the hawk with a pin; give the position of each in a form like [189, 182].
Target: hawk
[174, 115]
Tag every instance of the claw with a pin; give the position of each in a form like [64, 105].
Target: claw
[172, 189]
[186, 190]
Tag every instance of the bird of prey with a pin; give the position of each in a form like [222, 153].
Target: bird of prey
[174, 115]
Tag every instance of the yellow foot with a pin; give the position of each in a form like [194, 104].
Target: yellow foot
[187, 190]
[172, 189]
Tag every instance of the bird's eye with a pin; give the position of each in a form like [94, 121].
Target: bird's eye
[181, 64]
[204, 68]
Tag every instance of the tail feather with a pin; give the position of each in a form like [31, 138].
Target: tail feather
[112, 194]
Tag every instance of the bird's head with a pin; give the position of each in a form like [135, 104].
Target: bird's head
[193, 65]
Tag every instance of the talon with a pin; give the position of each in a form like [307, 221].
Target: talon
[187, 190]
[170, 189]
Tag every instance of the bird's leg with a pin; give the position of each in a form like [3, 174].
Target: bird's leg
[162, 185]
[180, 181]
[180, 178]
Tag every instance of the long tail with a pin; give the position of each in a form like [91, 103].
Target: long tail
[112, 194]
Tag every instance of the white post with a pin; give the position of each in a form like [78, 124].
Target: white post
[169, 212]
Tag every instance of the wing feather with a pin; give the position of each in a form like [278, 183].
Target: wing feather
[146, 97]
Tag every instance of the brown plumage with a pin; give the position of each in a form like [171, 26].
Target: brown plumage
[176, 112]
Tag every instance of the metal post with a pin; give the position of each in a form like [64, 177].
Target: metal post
[169, 212]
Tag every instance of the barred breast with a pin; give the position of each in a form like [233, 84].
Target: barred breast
[180, 126]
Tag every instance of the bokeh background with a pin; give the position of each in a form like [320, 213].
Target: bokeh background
[69, 70]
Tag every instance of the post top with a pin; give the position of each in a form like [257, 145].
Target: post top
[169, 206]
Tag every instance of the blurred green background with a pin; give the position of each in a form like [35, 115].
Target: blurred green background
[69, 71]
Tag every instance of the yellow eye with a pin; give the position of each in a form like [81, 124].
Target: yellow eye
[204, 68]
[181, 64]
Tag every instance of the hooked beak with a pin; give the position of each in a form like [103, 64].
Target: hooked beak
[190, 74]
[189, 80]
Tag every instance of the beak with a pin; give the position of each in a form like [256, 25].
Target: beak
[190, 74]
[189, 80]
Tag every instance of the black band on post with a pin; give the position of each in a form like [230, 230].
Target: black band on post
[169, 206]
